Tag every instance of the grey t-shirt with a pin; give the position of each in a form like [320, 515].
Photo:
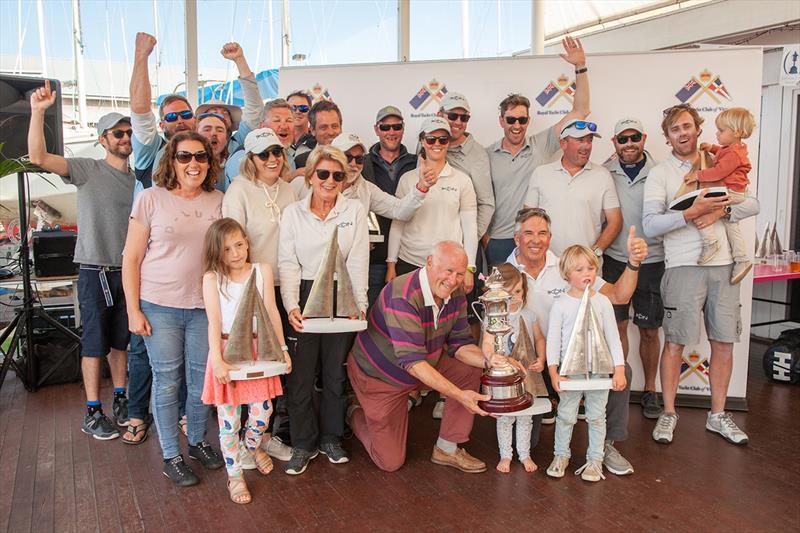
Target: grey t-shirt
[105, 196]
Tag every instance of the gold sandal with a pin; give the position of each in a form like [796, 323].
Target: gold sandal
[263, 462]
[238, 491]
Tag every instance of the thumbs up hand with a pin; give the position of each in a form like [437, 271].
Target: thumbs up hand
[637, 247]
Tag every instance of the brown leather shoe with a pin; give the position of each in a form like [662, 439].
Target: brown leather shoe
[460, 460]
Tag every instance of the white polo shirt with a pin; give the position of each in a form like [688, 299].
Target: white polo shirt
[545, 289]
[575, 203]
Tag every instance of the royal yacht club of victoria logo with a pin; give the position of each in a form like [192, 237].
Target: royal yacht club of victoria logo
[562, 90]
[704, 88]
[431, 92]
[695, 365]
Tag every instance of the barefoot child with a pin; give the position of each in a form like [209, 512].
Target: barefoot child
[227, 268]
[731, 167]
[514, 282]
[579, 266]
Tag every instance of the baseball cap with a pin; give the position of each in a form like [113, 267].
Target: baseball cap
[345, 141]
[109, 120]
[454, 100]
[259, 140]
[234, 111]
[434, 123]
[388, 111]
[628, 124]
[578, 129]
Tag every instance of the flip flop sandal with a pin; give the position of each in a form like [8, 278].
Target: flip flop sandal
[133, 431]
[237, 489]
[263, 462]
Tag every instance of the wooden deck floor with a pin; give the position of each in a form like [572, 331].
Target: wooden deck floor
[54, 478]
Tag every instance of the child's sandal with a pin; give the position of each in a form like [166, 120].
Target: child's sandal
[238, 491]
[263, 462]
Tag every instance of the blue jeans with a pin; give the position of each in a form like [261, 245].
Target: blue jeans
[178, 349]
[139, 378]
[377, 281]
[498, 250]
[595, 404]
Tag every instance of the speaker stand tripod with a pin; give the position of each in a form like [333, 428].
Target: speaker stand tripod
[23, 361]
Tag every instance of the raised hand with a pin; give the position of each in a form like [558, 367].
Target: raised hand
[637, 247]
[232, 51]
[42, 98]
[573, 51]
[145, 43]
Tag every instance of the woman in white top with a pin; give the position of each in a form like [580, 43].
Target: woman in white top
[306, 229]
[450, 211]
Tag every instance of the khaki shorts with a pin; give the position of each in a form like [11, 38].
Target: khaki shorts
[687, 291]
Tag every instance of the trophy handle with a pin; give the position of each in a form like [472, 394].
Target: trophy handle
[475, 309]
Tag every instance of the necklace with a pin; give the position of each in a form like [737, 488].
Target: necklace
[271, 203]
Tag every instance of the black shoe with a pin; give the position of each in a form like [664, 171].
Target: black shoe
[335, 452]
[208, 456]
[119, 411]
[99, 426]
[179, 472]
[318, 383]
[299, 461]
[650, 405]
[581, 411]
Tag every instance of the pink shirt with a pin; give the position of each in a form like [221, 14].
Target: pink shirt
[172, 268]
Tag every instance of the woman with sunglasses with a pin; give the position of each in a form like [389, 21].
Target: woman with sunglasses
[306, 229]
[161, 273]
[450, 211]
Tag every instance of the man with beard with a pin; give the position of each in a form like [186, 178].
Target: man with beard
[300, 103]
[629, 169]
[105, 195]
[688, 288]
[577, 194]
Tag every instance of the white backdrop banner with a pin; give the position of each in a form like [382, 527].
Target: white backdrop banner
[637, 84]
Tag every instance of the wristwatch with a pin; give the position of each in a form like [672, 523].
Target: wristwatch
[598, 251]
[472, 269]
[728, 210]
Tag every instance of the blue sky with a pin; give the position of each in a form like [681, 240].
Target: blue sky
[328, 32]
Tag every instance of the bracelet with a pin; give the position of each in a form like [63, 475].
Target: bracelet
[581, 70]
[631, 267]
[422, 190]
[284, 348]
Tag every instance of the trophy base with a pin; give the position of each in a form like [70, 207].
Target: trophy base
[540, 406]
[586, 384]
[336, 325]
[507, 405]
[257, 370]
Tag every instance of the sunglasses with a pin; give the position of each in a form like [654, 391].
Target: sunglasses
[443, 140]
[338, 176]
[186, 157]
[275, 151]
[359, 159]
[679, 106]
[463, 117]
[300, 108]
[186, 114]
[201, 116]
[581, 125]
[119, 134]
[514, 120]
[634, 137]
[387, 127]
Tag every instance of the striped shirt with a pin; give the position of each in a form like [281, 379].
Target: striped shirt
[406, 327]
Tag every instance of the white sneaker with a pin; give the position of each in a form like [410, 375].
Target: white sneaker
[559, 466]
[709, 251]
[723, 424]
[246, 458]
[740, 270]
[438, 409]
[592, 470]
[276, 448]
[665, 427]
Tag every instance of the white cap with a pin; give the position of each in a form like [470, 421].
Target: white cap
[454, 100]
[628, 124]
[109, 120]
[572, 129]
[345, 141]
[259, 140]
[435, 123]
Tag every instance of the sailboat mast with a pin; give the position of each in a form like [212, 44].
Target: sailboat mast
[158, 55]
[42, 48]
[285, 37]
[77, 53]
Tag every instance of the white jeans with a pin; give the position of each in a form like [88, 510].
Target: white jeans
[595, 404]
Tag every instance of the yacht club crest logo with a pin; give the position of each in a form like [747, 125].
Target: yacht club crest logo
[695, 365]
[706, 83]
[554, 90]
[433, 91]
[319, 93]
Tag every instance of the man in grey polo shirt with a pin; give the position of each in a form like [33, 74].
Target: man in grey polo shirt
[513, 158]
[629, 169]
[577, 194]
[688, 288]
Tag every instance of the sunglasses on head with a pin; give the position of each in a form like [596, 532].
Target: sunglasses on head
[186, 157]
[359, 159]
[201, 116]
[431, 140]
[581, 125]
[276, 152]
[300, 108]
[387, 127]
[514, 120]
[634, 137]
[679, 106]
[119, 134]
[186, 114]
[463, 117]
[323, 174]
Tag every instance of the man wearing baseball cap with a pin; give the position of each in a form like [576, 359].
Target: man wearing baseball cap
[386, 161]
[105, 196]
[576, 193]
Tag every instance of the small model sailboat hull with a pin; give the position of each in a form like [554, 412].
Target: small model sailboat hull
[587, 352]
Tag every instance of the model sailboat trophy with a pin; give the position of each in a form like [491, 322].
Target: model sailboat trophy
[331, 301]
[253, 328]
[685, 195]
[587, 352]
[511, 391]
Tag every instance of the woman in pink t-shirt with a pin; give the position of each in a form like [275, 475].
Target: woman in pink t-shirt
[162, 272]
